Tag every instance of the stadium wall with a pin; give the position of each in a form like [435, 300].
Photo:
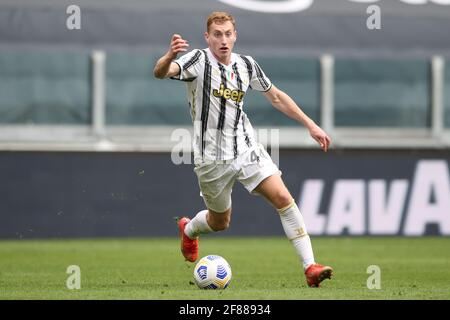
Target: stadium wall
[65, 93]
[345, 192]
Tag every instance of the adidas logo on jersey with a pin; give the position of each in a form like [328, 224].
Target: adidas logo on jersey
[235, 95]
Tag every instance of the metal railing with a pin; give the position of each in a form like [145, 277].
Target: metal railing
[98, 136]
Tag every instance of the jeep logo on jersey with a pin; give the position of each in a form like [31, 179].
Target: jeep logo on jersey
[235, 95]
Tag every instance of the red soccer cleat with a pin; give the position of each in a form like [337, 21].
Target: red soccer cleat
[189, 247]
[316, 273]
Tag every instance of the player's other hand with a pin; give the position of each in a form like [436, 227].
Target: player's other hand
[177, 45]
[321, 137]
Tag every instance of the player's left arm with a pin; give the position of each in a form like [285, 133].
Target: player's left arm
[284, 103]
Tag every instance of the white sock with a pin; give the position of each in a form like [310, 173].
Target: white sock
[295, 229]
[198, 225]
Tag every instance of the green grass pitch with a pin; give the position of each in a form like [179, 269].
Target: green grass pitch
[263, 268]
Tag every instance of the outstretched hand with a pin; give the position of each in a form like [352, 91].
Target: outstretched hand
[321, 137]
[177, 45]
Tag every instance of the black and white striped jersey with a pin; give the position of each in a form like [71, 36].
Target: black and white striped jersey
[216, 93]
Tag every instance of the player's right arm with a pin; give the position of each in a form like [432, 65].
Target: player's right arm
[165, 67]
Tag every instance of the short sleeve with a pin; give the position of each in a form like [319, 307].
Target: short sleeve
[190, 65]
[259, 81]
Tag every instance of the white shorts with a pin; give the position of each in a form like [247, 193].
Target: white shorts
[216, 180]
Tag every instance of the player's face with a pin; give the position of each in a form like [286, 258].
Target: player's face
[221, 39]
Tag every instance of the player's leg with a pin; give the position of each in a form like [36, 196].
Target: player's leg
[219, 221]
[260, 175]
[204, 222]
[275, 191]
[207, 221]
[216, 182]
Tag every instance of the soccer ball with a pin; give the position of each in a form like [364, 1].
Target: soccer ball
[212, 272]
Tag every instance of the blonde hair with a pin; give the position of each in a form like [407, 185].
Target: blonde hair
[219, 17]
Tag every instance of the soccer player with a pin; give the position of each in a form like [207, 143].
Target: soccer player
[225, 149]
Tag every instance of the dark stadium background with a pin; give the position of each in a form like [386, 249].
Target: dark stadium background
[85, 129]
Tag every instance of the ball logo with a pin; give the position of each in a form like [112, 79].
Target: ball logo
[202, 272]
[212, 272]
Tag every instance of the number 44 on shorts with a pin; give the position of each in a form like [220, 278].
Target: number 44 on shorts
[254, 157]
